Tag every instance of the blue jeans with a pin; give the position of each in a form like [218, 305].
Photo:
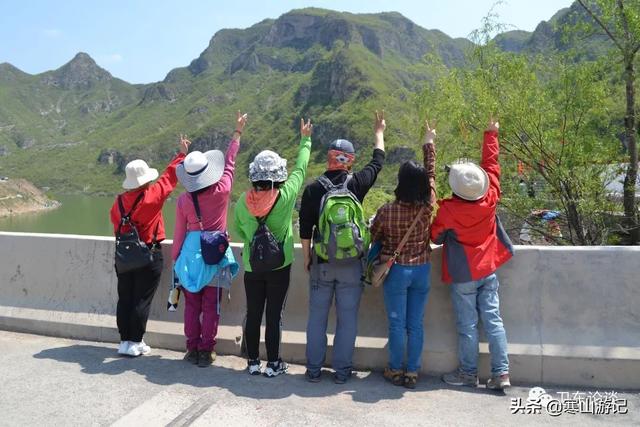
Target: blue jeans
[343, 282]
[479, 299]
[405, 295]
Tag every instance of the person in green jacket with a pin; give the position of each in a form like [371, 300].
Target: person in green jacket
[263, 222]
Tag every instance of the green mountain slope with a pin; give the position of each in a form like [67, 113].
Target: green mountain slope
[73, 129]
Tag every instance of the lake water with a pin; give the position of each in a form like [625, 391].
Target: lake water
[88, 215]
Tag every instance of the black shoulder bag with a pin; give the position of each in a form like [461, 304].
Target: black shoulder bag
[131, 252]
[213, 244]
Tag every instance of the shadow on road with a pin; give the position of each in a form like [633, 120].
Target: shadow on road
[368, 387]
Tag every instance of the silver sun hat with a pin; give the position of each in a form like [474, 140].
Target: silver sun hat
[268, 166]
[200, 170]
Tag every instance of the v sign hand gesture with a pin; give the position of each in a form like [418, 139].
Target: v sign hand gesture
[494, 125]
[306, 128]
[184, 144]
[241, 121]
[429, 132]
[380, 124]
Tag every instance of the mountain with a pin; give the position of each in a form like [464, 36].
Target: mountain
[73, 129]
[551, 35]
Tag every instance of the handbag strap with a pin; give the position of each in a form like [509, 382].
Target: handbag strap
[405, 239]
[196, 205]
[126, 218]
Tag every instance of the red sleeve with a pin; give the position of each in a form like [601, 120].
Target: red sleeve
[160, 190]
[377, 228]
[229, 166]
[115, 216]
[490, 153]
[439, 225]
[179, 232]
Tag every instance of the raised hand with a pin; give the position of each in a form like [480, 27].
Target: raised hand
[241, 121]
[494, 125]
[380, 124]
[429, 132]
[184, 144]
[306, 128]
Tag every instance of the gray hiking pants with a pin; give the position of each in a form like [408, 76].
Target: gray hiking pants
[344, 282]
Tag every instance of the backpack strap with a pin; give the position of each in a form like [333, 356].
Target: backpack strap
[346, 182]
[261, 220]
[126, 218]
[196, 205]
[326, 183]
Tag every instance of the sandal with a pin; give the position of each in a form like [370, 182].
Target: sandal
[410, 379]
[395, 376]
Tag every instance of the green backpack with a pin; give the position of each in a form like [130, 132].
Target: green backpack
[342, 233]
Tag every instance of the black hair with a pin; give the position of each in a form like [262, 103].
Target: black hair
[266, 185]
[413, 185]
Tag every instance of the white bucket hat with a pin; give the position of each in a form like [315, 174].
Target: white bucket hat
[268, 166]
[200, 170]
[138, 174]
[468, 181]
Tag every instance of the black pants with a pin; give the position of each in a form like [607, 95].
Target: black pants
[135, 293]
[271, 288]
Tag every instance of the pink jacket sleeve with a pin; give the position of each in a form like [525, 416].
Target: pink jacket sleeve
[179, 232]
[226, 182]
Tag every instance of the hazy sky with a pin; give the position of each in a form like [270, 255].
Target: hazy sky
[140, 41]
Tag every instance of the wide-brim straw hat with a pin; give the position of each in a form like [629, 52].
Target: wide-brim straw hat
[268, 166]
[138, 173]
[200, 170]
[468, 181]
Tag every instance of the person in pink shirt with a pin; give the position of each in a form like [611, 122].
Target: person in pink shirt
[208, 179]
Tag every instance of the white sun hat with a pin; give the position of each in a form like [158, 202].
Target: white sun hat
[200, 170]
[138, 174]
[468, 181]
[268, 166]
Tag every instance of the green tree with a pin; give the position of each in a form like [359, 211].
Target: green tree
[552, 113]
[620, 21]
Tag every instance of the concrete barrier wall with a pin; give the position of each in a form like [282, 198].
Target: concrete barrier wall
[571, 314]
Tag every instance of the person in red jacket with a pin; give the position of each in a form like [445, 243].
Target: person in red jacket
[475, 245]
[142, 201]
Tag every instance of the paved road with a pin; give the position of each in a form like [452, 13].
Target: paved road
[50, 381]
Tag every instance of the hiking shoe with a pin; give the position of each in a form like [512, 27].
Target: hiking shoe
[339, 379]
[254, 367]
[313, 378]
[123, 347]
[133, 350]
[206, 358]
[192, 357]
[276, 368]
[460, 379]
[410, 380]
[499, 382]
[394, 376]
[144, 348]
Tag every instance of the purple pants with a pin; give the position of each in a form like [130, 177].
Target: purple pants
[201, 318]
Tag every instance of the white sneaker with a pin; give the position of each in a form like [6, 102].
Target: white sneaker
[254, 367]
[144, 348]
[123, 347]
[133, 349]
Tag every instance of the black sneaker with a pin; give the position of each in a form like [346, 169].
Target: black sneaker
[254, 367]
[339, 378]
[276, 368]
[206, 358]
[313, 378]
[191, 357]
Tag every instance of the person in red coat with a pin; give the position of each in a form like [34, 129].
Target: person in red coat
[475, 245]
[142, 201]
